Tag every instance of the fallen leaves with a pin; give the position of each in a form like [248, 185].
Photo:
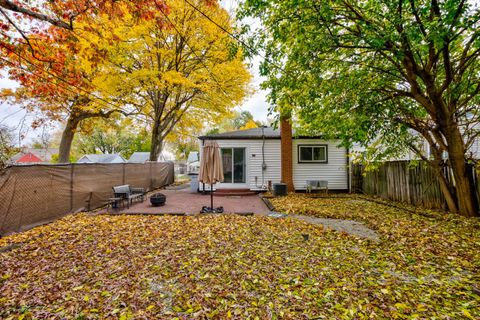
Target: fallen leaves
[131, 267]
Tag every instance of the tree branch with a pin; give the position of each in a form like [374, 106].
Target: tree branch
[11, 6]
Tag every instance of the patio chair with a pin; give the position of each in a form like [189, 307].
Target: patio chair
[313, 185]
[128, 193]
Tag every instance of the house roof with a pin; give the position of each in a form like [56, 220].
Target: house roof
[142, 157]
[45, 155]
[29, 158]
[139, 157]
[255, 133]
[101, 158]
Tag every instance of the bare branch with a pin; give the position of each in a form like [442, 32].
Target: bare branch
[11, 6]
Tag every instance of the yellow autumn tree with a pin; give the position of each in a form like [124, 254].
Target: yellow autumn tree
[249, 125]
[180, 67]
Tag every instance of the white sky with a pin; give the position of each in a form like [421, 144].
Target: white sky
[17, 118]
[256, 104]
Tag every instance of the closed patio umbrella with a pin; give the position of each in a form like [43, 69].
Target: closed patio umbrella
[211, 168]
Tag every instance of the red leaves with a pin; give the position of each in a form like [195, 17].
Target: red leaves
[4, 26]
[64, 14]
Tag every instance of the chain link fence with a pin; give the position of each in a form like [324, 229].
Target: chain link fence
[37, 194]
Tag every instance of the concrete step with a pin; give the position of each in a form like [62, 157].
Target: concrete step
[233, 192]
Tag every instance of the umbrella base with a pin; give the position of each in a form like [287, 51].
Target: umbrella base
[206, 209]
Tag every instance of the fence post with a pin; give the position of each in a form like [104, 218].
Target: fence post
[407, 172]
[123, 173]
[3, 225]
[151, 174]
[471, 180]
[71, 186]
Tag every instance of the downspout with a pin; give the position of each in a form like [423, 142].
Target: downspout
[264, 164]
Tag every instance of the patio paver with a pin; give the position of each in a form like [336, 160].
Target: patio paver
[183, 201]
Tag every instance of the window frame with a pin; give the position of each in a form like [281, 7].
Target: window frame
[232, 181]
[312, 146]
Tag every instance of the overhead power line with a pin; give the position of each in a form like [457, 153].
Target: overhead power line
[55, 84]
[56, 77]
[193, 51]
[10, 115]
[49, 81]
[233, 36]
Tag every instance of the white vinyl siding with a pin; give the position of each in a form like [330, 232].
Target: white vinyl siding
[475, 149]
[334, 171]
[253, 162]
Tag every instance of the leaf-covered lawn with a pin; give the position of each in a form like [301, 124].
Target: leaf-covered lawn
[245, 267]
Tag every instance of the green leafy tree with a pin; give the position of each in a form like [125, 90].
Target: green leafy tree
[237, 121]
[378, 71]
[242, 118]
[112, 137]
[7, 147]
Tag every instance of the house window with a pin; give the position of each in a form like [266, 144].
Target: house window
[313, 153]
[233, 160]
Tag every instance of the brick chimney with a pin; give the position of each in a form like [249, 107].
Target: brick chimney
[286, 152]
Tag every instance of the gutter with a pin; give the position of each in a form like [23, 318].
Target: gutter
[260, 137]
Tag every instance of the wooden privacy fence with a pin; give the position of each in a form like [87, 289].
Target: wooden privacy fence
[37, 194]
[403, 181]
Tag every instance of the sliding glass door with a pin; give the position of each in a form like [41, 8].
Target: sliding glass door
[233, 165]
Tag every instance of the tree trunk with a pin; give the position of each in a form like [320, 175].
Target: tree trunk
[445, 187]
[67, 138]
[157, 142]
[466, 195]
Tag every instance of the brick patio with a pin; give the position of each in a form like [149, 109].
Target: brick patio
[183, 201]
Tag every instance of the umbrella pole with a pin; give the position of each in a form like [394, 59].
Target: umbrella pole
[211, 185]
[211, 196]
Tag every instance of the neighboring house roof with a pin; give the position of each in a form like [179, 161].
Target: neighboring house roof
[255, 133]
[101, 158]
[142, 157]
[29, 158]
[139, 157]
[39, 155]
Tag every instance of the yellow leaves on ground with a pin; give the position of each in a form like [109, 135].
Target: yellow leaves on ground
[223, 267]
[438, 252]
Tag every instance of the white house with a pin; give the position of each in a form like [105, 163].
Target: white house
[101, 158]
[473, 152]
[252, 158]
[193, 162]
